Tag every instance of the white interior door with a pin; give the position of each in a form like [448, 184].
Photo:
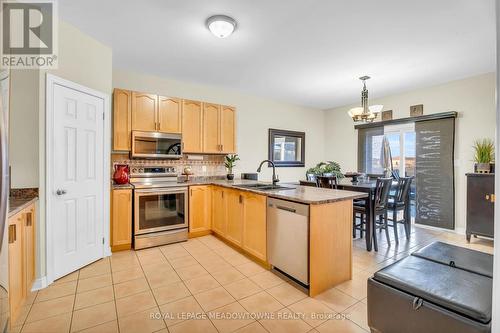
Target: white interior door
[77, 179]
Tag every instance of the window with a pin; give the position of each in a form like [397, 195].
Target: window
[369, 148]
[286, 148]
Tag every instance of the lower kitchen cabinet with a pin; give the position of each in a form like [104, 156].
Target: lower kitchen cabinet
[21, 237]
[29, 246]
[234, 217]
[200, 210]
[237, 216]
[121, 219]
[219, 225]
[254, 224]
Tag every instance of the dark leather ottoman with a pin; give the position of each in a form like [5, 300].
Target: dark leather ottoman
[440, 288]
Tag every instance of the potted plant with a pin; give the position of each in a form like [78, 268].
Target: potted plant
[484, 155]
[230, 163]
[328, 168]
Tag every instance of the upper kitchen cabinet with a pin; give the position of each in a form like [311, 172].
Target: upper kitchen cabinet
[169, 114]
[122, 119]
[218, 129]
[211, 128]
[144, 112]
[192, 124]
[228, 129]
[205, 127]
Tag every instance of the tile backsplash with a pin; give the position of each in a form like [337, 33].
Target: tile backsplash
[201, 165]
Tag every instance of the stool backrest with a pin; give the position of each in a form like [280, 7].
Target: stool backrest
[327, 181]
[382, 190]
[402, 189]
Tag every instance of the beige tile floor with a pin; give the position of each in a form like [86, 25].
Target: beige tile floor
[203, 285]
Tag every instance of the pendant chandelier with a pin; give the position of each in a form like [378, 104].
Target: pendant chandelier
[365, 113]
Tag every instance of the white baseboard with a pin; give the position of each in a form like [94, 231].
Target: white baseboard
[107, 251]
[460, 231]
[39, 283]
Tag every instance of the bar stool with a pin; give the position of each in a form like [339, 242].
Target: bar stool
[380, 206]
[327, 182]
[401, 201]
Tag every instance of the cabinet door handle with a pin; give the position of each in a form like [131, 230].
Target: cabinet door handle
[291, 210]
[29, 220]
[492, 197]
[12, 233]
[241, 199]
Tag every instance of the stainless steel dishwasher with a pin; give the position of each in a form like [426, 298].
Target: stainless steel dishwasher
[288, 238]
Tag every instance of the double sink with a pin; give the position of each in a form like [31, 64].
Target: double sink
[263, 187]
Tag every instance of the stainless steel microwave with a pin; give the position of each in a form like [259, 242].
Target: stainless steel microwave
[156, 145]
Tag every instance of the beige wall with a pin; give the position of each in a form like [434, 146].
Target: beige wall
[254, 117]
[23, 125]
[474, 100]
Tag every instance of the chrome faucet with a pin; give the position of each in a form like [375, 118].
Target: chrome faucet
[275, 177]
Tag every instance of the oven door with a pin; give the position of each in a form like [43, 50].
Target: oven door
[160, 209]
[156, 145]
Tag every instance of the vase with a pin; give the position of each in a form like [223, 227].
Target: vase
[230, 176]
[121, 174]
[483, 167]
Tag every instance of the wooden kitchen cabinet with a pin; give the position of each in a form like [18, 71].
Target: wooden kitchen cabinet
[21, 238]
[205, 127]
[122, 119]
[219, 224]
[218, 129]
[17, 277]
[227, 129]
[121, 219]
[169, 114]
[211, 128]
[254, 225]
[29, 246]
[192, 126]
[234, 217]
[200, 210]
[144, 112]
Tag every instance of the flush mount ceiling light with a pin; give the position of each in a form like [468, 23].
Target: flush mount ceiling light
[221, 25]
[365, 113]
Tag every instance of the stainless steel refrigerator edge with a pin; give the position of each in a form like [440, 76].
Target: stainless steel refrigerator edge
[4, 200]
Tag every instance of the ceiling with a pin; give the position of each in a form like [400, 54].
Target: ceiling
[305, 52]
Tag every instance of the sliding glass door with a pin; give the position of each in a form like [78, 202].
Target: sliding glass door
[402, 142]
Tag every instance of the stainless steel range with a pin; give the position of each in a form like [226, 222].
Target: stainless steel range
[160, 206]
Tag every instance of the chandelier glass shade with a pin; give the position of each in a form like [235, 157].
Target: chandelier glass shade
[365, 113]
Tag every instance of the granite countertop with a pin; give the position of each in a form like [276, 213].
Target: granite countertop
[121, 186]
[293, 192]
[296, 193]
[18, 203]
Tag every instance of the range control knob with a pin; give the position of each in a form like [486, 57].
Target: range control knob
[134, 170]
[141, 170]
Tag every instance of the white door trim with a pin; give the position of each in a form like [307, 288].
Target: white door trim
[51, 82]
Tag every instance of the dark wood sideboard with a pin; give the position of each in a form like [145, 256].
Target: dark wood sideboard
[480, 204]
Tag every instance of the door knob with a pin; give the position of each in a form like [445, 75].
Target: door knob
[60, 192]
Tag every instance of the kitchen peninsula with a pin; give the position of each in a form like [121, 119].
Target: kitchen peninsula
[238, 212]
[241, 208]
